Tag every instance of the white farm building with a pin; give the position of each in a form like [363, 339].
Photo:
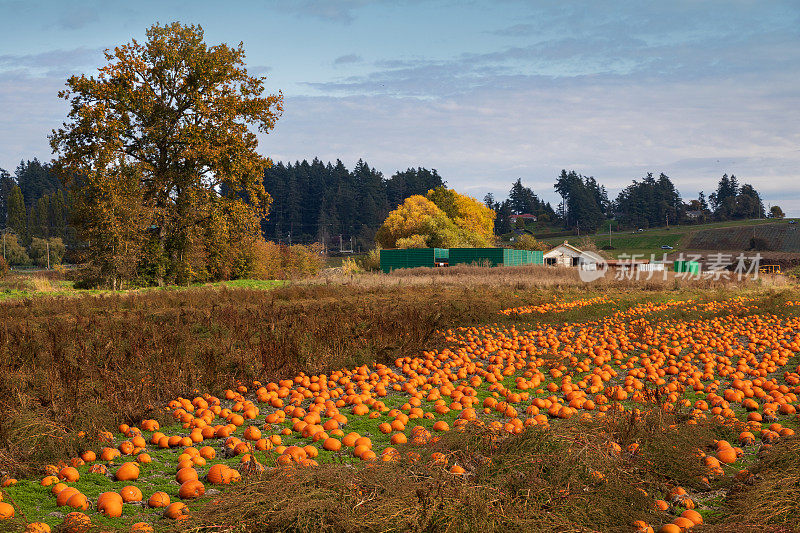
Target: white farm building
[563, 255]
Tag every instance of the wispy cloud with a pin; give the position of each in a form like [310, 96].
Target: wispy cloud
[347, 59]
[613, 129]
[611, 89]
[596, 56]
[515, 30]
[259, 70]
[77, 17]
[341, 11]
[52, 63]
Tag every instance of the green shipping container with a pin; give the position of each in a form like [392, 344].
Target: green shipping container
[478, 256]
[494, 257]
[412, 258]
[691, 267]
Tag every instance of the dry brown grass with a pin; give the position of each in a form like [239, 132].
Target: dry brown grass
[560, 479]
[532, 276]
[91, 363]
[772, 501]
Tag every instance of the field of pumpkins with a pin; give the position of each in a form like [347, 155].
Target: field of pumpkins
[718, 360]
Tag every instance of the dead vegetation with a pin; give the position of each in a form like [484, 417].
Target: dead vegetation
[533, 277]
[770, 500]
[564, 478]
[90, 363]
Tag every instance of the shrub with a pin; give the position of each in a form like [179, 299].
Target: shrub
[529, 242]
[276, 261]
[41, 247]
[351, 266]
[15, 252]
[372, 261]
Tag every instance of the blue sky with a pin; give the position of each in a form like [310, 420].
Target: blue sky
[486, 92]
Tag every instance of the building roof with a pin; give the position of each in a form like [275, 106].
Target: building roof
[561, 248]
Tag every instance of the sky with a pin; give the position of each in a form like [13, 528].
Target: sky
[483, 91]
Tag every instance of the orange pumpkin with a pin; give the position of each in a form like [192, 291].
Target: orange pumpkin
[191, 489]
[110, 504]
[76, 522]
[6, 511]
[130, 494]
[177, 511]
[127, 472]
[63, 497]
[158, 499]
[186, 474]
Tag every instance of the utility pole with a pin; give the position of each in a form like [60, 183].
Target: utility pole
[48, 254]
[667, 215]
[609, 233]
[340, 243]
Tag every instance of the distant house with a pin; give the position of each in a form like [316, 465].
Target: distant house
[526, 217]
[563, 255]
[694, 214]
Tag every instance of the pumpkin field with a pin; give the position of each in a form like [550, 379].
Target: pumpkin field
[436, 407]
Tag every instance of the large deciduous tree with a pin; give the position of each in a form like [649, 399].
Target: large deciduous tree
[443, 219]
[160, 152]
[417, 223]
[471, 216]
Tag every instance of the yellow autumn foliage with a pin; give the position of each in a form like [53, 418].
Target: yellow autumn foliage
[443, 219]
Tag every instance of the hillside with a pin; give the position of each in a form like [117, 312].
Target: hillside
[778, 237]
[729, 235]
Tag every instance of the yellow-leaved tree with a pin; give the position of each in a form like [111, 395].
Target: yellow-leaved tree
[443, 219]
[468, 214]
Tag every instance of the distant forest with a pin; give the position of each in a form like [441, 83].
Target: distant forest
[319, 202]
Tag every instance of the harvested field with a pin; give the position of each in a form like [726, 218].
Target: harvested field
[436, 407]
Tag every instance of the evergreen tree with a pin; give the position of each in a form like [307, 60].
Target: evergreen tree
[409, 182]
[748, 203]
[41, 225]
[523, 200]
[584, 201]
[17, 218]
[733, 202]
[36, 180]
[701, 198]
[502, 223]
[723, 201]
[346, 200]
[649, 202]
[6, 185]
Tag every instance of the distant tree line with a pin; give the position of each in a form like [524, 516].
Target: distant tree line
[316, 202]
[34, 215]
[649, 202]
